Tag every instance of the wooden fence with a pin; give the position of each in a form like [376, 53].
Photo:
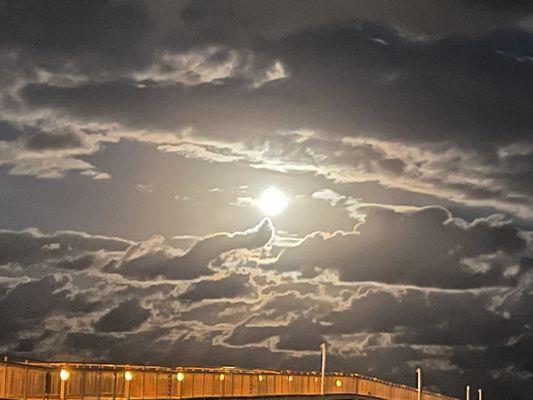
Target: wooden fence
[39, 380]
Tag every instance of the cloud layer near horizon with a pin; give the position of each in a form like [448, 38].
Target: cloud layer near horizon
[255, 294]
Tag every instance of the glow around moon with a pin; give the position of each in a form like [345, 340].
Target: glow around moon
[272, 201]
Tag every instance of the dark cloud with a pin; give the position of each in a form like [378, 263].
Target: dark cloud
[24, 345]
[27, 247]
[244, 334]
[182, 352]
[426, 318]
[195, 262]
[232, 286]
[92, 31]
[426, 247]
[9, 132]
[121, 33]
[302, 334]
[76, 264]
[275, 319]
[407, 89]
[223, 311]
[404, 90]
[28, 304]
[125, 317]
[117, 348]
[58, 141]
[415, 17]
[411, 316]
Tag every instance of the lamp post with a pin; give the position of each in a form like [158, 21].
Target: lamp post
[467, 395]
[419, 383]
[323, 369]
[479, 394]
[180, 376]
[64, 374]
[128, 376]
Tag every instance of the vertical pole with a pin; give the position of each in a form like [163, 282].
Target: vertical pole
[63, 378]
[99, 384]
[83, 379]
[26, 374]
[5, 377]
[114, 385]
[142, 386]
[127, 389]
[419, 383]
[323, 369]
[62, 389]
[467, 396]
[48, 384]
[479, 394]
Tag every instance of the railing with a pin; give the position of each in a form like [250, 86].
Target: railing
[31, 380]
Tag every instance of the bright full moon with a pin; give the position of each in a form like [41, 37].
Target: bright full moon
[272, 201]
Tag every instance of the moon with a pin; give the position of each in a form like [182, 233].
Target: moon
[272, 201]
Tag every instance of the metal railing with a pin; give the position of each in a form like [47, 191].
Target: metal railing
[29, 380]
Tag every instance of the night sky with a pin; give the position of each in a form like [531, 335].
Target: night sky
[136, 139]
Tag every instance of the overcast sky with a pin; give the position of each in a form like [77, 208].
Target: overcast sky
[137, 137]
